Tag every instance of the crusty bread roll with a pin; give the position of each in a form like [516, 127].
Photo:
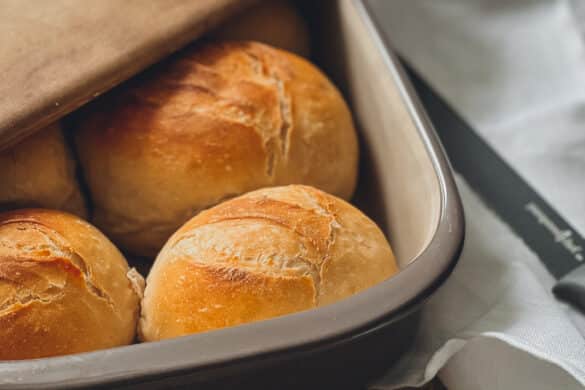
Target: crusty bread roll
[40, 172]
[213, 123]
[64, 288]
[264, 254]
[274, 22]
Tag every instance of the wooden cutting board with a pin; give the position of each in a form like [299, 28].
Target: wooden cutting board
[58, 54]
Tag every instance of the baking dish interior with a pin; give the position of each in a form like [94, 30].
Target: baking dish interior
[402, 187]
[398, 186]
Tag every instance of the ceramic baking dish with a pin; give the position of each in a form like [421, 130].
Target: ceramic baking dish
[405, 185]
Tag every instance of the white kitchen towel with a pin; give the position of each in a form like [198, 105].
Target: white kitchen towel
[498, 291]
[515, 70]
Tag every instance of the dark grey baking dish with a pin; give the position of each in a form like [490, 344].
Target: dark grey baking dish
[405, 185]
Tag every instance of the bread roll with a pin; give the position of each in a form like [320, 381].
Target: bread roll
[40, 172]
[264, 254]
[64, 288]
[274, 22]
[213, 123]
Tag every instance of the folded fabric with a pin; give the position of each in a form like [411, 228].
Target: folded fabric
[515, 70]
[498, 291]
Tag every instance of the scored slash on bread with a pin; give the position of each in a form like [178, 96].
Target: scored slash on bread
[64, 287]
[267, 253]
[214, 121]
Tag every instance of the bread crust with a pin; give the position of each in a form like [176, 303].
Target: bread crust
[64, 288]
[276, 23]
[216, 121]
[40, 172]
[264, 254]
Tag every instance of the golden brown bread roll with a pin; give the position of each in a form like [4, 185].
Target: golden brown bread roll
[274, 22]
[264, 254]
[212, 123]
[64, 288]
[40, 172]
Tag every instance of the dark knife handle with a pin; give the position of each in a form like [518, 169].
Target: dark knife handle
[571, 288]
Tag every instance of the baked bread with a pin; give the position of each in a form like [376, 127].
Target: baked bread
[214, 122]
[264, 254]
[40, 172]
[64, 288]
[274, 22]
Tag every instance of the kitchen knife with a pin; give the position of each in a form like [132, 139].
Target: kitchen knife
[558, 245]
